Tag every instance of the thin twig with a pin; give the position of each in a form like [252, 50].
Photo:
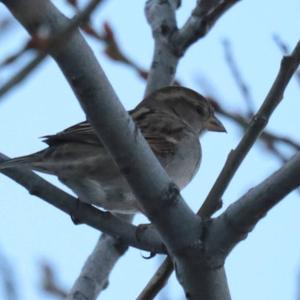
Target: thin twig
[270, 140]
[198, 25]
[8, 279]
[112, 48]
[289, 65]
[22, 74]
[236, 74]
[50, 283]
[158, 280]
[52, 44]
[285, 50]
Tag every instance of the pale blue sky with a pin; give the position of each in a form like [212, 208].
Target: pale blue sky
[267, 264]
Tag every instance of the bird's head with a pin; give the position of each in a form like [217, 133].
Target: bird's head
[186, 104]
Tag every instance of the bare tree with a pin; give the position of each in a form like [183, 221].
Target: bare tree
[198, 244]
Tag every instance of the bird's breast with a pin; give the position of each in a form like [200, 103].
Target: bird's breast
[185, 161]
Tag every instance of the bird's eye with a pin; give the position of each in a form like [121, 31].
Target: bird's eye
[200, 110]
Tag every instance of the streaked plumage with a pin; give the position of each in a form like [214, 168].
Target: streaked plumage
[171, 120]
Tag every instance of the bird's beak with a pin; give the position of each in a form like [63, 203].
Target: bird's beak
[213, 124]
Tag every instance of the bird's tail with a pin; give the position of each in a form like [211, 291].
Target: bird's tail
[30, 161]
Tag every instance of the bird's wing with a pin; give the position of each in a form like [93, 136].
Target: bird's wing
[81, 133]
[160, 145]
[159, 136]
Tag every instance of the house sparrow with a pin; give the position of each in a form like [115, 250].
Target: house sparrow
[171, 120]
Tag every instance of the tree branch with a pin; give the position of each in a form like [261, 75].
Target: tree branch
[158, 280]
[93, 277]
[52, 43]
[200, 22]
[49, 282]
[267, 137]
[9, 284]
[161, 18]
[171, 43]
[21, 75]
[288, 66]
[147, 239]
[285, 50]
[236, 74]
[239, 219]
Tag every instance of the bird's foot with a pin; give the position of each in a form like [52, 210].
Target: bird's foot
[141, 228]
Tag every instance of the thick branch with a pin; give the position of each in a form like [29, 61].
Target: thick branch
[288, 66]
[231, 227]
[241, 216]
[161, 18]
[94, 274]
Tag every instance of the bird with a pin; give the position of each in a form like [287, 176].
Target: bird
[171, 119]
